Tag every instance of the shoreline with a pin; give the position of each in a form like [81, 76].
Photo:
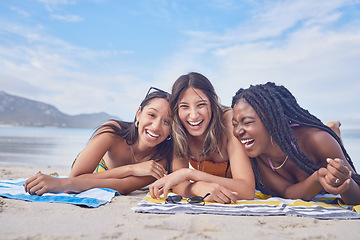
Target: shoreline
[116, 220]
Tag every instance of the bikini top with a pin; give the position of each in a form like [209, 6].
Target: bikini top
[217, 169]
[100, 168]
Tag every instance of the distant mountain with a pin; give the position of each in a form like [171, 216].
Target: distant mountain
[18, 111]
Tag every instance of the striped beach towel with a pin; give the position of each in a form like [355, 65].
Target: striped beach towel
[262, 205]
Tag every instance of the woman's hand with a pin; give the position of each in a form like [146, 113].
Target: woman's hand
[163, 185]
[218, 193]
[148, 168]
[41, 183]
[335, 178]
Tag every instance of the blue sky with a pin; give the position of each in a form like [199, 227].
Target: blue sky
[100, 55]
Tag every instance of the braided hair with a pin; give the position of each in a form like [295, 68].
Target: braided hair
[278, 110]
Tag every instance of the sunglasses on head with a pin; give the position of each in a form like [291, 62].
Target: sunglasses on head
[192, 200]
[153, 89]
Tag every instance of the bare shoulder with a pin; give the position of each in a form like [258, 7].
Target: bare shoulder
[107, 127]
[317, 144]
[311, 136]
[227, 118]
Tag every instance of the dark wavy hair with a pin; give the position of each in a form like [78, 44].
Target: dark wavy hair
[129, 131]
[278, 110]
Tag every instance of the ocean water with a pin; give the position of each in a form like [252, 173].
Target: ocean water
[58, 147]
[41, 146]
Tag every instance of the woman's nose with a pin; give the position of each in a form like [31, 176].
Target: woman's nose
[193, 113]
[239, 131]
[156, 124]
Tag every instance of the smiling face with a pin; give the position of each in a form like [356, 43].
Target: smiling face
[154, 122]
[249, 129]
[194, 111]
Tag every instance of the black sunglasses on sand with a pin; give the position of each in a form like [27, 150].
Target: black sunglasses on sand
[193, 200]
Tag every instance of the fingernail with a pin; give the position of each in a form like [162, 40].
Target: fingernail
[328, 160]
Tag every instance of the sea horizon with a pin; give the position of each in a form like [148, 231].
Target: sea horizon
[58, 147]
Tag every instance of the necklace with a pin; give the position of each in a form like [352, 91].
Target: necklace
[276, 168]
[133, 155]
[199, 159]
[134, 158]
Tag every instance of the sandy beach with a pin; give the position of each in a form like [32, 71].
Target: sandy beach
[116, 220]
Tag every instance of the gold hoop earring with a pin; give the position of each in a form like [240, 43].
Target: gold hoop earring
[136, 124]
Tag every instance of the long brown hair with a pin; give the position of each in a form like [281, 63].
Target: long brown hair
[216, 129]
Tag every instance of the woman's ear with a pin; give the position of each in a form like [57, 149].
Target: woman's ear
[138, 114]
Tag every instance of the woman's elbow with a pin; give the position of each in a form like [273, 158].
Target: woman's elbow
[124, 191]
[250, 195]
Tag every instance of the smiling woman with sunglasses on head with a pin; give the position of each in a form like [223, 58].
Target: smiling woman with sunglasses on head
[294, 154]
[124, 156]
[203, 137]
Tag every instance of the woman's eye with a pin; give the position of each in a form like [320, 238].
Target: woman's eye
[183, 106]
[151, 115]
[202, 104]
[167, 123]
[248, 123]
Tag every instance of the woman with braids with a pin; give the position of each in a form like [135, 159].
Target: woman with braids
[202, 133]
[123, 156]
[294, 155]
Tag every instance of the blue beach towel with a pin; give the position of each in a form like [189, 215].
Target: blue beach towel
[91, 198]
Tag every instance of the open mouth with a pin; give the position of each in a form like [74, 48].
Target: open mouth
[248, 142]
[195, 124]
[151, 134]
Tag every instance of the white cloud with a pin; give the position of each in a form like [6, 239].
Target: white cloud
[20, 11]
[67, 18]
[52, 4]
[294, 43]
[70, 77]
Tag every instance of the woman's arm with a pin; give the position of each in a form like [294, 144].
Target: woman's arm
[41, 183]
[142, 175]
[320, 146]
[243, 181]
[335, 177]
[146, 168]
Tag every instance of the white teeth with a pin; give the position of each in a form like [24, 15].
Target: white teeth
[246, 141]
[195, 123]
[152, 134]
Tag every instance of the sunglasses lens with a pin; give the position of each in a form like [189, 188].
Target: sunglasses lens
[174, 198]
[196, 199]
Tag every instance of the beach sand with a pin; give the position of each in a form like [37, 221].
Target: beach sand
[116, 220]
